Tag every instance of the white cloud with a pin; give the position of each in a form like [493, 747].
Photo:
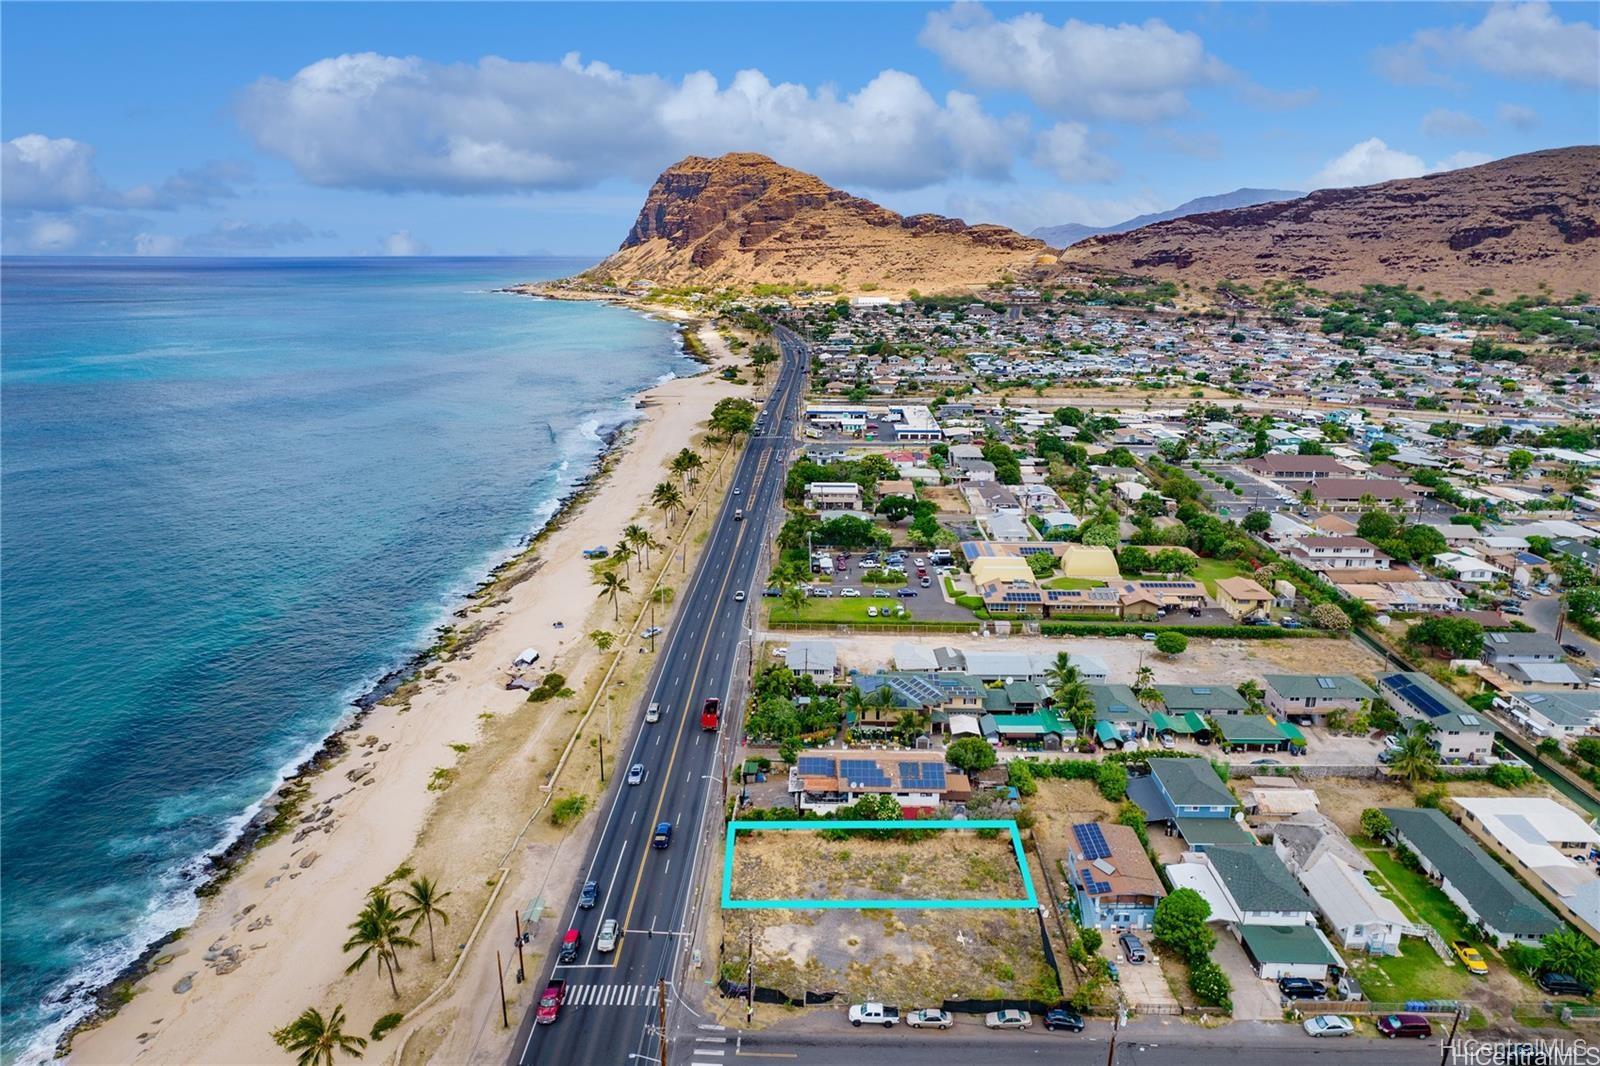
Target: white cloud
[1458, 160]
[1135, 73]
[1528, 41]
[1517, 117]
[1367, 163]
[401, 242]
[157, 244]
[382, 122]
[1443, 122]
[39, 173]
[1028, 210]
[1066, 149]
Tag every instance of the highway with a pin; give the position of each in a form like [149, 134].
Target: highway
[611, 1010]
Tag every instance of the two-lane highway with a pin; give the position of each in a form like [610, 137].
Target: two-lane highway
[611, 1006]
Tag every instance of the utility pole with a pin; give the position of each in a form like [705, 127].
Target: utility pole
[1450, 1041]
[516, 928]
[1116, 1025]
[601, 737]
[500, 972]
[661, 1016]
[750, 979]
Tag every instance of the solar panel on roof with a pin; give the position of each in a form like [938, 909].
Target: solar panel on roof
[1091, 841]
[1201, 691]
[815, 766]
[1326, 682]
[1093, 886]
[863, 772]
[1469, 719]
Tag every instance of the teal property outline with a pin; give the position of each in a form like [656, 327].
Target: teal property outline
[734, 828]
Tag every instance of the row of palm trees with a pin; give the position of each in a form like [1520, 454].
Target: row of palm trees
[379, 934]
[637, 541]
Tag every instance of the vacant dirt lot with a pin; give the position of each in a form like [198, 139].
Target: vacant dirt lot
[1228, 660]
[912, 958]
[948, 864]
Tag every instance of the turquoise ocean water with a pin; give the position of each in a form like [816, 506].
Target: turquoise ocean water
[234, 494]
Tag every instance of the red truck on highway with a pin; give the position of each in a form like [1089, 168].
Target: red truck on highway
[711, 714]
[555, 994]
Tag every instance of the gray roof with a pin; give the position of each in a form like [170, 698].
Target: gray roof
[1117, 703]
[1257, 879]
[1573, 709]
[1191, 782]
[1318, 686]
[1500, 899]
[807, 655]
[1218, 697]
[1507, 643]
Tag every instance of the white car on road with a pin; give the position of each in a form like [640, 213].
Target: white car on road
[1328, 1025]
[930, 1019]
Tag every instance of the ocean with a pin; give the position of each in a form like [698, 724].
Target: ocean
[236, 493]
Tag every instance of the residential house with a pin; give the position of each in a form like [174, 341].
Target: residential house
[1531, 658]
[1485, 891]
[1323, 554]
[1111, 876]
[919, 780]
[1459, 733]
[1361, 917]
[1204, 700]
[834, 496]
[817, 659]
[1243, 598]
[1552, 846]
[1257, 732]
[1554, 714]
[1118, 715]
[1314, 696]
[1469, 568]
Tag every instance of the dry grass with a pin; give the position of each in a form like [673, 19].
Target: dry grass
[949, 864]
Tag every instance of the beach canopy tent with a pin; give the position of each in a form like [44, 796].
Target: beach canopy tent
[527, 657]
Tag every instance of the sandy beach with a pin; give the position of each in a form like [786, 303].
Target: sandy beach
[444, 778]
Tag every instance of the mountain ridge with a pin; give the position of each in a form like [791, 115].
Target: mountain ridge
[1069, 233]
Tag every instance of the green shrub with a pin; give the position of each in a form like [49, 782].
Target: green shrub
[568, 809]
[550, 686]
[1210, 985]
[1111, 779]
[1133, 629]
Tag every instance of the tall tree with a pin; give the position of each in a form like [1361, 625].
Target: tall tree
[424, 896]
[376, 931]
[1417, 759]
[668, 497]
[612, 587]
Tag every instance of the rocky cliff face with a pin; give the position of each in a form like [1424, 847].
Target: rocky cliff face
[1509, 225]
[742, 218]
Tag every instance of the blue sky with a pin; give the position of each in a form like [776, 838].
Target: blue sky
[322, 129]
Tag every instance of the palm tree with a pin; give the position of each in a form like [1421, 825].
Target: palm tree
[602, 638]
[624, 555]
[611, 587]
[1061, 675]
[1143, 679]
[794, 598]
[647, 544]
[667, 497]
[1077, 706]
[636, 537]
[1253, 693]
[1416, 759]
[424, 896]
[317, 1038]
[376, 931]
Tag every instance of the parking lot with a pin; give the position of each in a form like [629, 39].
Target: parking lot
[1258, 495]
[927, 604]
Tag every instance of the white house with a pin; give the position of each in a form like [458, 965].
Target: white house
[1361, 917]
[1468, 568]
[815, 658]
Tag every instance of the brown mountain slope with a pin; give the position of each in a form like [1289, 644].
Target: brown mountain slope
[743, 219]
[1508, 225]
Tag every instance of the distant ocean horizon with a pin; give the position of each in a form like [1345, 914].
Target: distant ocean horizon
[237, 493]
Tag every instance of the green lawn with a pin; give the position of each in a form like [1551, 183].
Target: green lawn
[1210, 570]
[1074, 583]
[1417, 972]
[1420, 898]
[840, 611]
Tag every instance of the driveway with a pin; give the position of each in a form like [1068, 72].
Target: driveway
[1253, 998]
[1143, 985]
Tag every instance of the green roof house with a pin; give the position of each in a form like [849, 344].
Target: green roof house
[1204, 700]
[1473, 879]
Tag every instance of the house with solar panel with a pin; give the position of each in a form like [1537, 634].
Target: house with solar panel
[1460, 733]
[918, 780]
[1530, 658]
[1485, 891]
[1555, 714]
[1111, 877]
[1119, 717]
[1204, 700]
[1311, 697]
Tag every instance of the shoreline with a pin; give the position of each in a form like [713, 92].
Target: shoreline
[279, 805]
[284, 807]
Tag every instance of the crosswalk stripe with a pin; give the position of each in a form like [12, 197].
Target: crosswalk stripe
[710, 1040]
[709, 1051]
[600, 995]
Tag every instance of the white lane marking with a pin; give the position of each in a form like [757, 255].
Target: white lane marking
[709, 1051]
[711, 1039]
[635, 818]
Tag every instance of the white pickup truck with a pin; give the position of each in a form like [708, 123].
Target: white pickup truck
[874, 1014]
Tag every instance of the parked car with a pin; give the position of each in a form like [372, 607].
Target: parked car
[1388, 755]
[849, 593]
[1167, 740]
[1113, 973]
[1393, 1025]
[872, 612]
[906, 594]
[1391, 743]
[588, 896]
[772, 592]
[926, 582]
[1470, 958]
[653, 631]
[610, 930]
[874, 1014]
[1148, 636]
[1575, 650]
[882, 594]
[818, 592]
[1265, 762]
[1008, 1019]
[1560, 984]
[930, 1018]
[636, 773]
[1511, 608]
[1302, 988]
[1132, 948]
[1062, 1018]
[1328, 1025]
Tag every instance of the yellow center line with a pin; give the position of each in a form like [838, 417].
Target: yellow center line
[705, 646]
